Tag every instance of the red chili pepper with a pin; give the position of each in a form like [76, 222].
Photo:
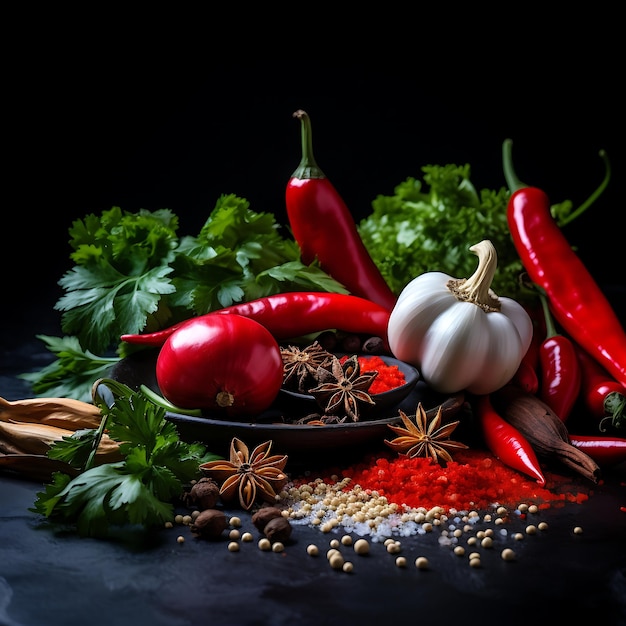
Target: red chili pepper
[559, 367]
[601, 394]
[325, 229]
[296, 313]
[576, 301]
[505, 441]
[526, 375]
[603, 450]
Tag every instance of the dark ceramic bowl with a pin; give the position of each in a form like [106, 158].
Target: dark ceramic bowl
[307, 445]
[383, 401]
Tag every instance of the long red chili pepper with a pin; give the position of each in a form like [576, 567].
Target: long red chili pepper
[559, 367]
[601, 394]
[325, 229]
[603, 450]
[526, 374]
[576, 301]
[297, 313]
[505, 441]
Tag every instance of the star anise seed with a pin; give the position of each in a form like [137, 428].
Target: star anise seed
[343, 388]
[300, 365]
[248, 476]
[421, 438]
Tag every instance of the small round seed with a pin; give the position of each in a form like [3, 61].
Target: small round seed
[336, 561]
[361, 546]
[507, 554]
[264, 544]
[233, 546]
[421, 562]
[247, 537]
[348, 567]
[278, 547]
[401, 561]
[312, 550]
[578, 530]
[180, 539]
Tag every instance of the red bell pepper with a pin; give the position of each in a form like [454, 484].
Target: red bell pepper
[297, 313]
[324, 228]
[506, 442]
[576, 301]
[560, 370]
[601, 394]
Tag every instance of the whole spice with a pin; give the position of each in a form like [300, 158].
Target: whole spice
[421, 437]
[457, 332]
[300, 365]
[601, 394]
[278, 529]
[505, 441]
[325, 229]
[209, 524]
[247, 476]
[343, 388]
[295, 314]
[261, 517]
[204, 494]
[545, 431]
[559, 367]
[576, 301]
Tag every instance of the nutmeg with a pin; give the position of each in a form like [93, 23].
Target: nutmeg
[209, 524]
[204, 494]
[264, 515]
[278, 529]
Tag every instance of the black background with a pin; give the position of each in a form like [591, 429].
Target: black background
[142, 128]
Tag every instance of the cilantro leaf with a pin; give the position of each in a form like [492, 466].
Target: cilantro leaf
[72, 374]
[138, 490]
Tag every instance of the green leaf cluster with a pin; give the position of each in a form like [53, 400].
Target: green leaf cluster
[429, 225]
[133, 273]
[139, 489]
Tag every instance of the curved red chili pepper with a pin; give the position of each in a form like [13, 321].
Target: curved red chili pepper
[603, 450]
[526, 375]
[559, 367]
[297, 313]
[576, 301]
[505, 441]
[601, 394]
[324, 228]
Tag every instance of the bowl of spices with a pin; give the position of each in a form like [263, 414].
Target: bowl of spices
[339, 386]
[295, 425]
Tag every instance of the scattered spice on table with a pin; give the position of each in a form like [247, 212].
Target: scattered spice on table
[389, 494]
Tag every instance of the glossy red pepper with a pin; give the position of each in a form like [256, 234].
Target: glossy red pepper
[526, 375]
[297, 313]
[576, 301]
[506, 442]
[603, 450]
[325, 229]
[559, 368]
[601, 394]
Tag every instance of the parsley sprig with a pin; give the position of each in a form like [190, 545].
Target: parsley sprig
[140, 488]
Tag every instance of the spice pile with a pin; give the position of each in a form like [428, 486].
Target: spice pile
[386, 494]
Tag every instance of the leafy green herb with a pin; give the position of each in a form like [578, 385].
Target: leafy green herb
[421, 229]
[138, 490]
[133, 274]
[73, 372]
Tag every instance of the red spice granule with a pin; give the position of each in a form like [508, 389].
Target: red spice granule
[474, 480]
[389, 376]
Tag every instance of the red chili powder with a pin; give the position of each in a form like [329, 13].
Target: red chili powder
[389, 376]
[474, 480]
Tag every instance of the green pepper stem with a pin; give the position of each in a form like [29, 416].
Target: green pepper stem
[307, 168]
[595, 195]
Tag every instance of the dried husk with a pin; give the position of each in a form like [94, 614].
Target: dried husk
[544, 430]
[30, 438]
[62, 412]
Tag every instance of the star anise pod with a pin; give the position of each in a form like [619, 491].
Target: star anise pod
[301, 365]
[343, 387]
[248, 476]
[421, 438]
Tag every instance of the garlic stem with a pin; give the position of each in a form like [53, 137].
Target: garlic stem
[477, 288]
